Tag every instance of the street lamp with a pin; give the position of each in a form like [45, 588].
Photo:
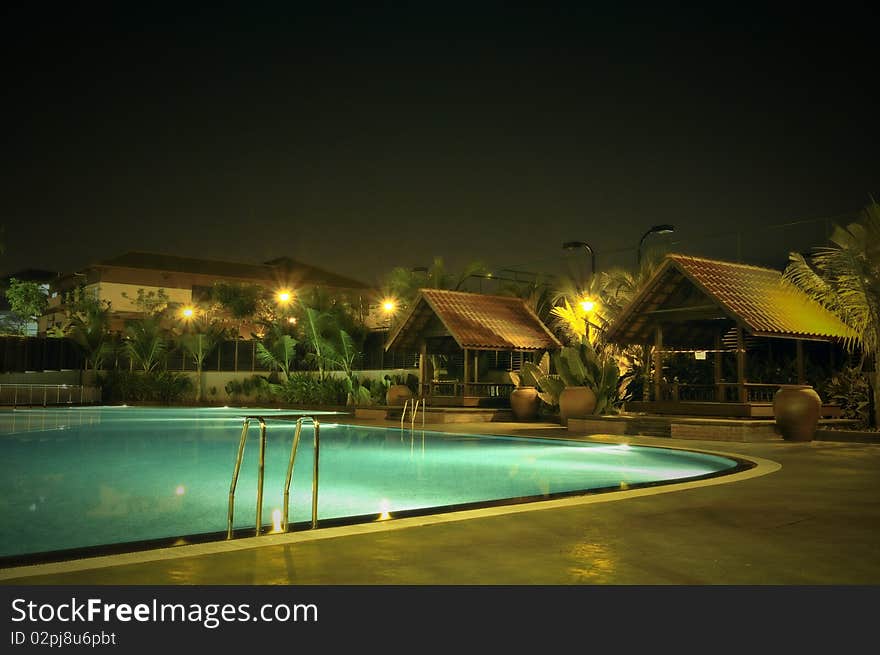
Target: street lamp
[389, 306]
[573, 245]
[665, 228]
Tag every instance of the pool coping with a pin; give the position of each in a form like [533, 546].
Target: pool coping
[761, 467]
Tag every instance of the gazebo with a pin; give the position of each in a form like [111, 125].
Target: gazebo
[704, 306]
[441, 322]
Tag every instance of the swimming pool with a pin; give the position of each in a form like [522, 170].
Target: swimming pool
[83, 478]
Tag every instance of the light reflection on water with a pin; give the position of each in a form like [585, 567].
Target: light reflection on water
[83, 477]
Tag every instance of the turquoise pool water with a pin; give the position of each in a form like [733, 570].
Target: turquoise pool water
[83, 477]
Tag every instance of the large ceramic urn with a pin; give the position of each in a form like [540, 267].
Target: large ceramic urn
[398, 394]
[796, 408]
[524, 403]
[576, 402]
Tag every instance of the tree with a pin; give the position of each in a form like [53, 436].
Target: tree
[319, 329]
[844, 277]
[27, 300]
[242, 302]
[276, 350]
[145, 343]
[149, 303]
[197, 346]
[404, 284]
[88, 326]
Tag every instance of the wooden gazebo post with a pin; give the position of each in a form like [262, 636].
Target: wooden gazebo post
[467, 372]
[718, 360]
[423, 368]
[658, 363]
[801, 376]
[741, 365]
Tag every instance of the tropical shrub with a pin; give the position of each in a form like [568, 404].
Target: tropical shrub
[583, 366]
[168, 386]
[576, 366]
[139, 386]
[276, 350]
[845, 278]
[849, 388]
[305, 389]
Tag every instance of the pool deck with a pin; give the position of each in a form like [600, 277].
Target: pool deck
[813, 521]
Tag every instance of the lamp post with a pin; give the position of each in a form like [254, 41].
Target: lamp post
[587, 304]
[389, 306]
[665, 228]
[573, 245]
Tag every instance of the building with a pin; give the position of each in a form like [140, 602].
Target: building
[187, 280]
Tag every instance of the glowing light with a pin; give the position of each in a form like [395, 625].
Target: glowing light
[292, 320]
[588, 305]
[388, 305]
[284, 296]
[187, 312]
[180, 490]
[276, 520]
[384, 508]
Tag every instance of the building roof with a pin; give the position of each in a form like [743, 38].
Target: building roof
[475, 321]
[282, 267]
[695, 289]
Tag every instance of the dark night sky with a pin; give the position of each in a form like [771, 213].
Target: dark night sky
[359, 140]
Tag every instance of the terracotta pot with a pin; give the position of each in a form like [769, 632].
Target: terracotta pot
[524, 403]
[576, 402]
[398, 394]
[796, 408]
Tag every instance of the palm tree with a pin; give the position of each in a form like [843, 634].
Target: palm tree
[88, 326]
[609, 293]
[404, 284]
[276, 350]
[198, 345]
[318, 328]
[845, 278]
[145, 342]
[89, 329]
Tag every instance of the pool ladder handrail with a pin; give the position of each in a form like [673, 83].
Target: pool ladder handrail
[261, 469]
[289, 478]
[414, 408]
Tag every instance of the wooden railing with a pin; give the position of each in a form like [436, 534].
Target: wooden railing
[724, 392]
[454, 388]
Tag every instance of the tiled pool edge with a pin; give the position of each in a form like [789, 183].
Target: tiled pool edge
[761, 467]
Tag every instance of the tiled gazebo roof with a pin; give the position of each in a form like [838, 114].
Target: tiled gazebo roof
[757, 298]
[475, 321]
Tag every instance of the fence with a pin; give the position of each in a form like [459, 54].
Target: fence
[48, 394]
[23, 354]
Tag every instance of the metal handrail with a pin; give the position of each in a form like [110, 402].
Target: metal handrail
[289, 478]
[241, 443]
[403, 413]
[414, 408]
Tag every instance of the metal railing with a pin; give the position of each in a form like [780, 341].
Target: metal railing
[287, 480]
[414, 407]
[237, 469]
[261, 470]
[48, 394]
